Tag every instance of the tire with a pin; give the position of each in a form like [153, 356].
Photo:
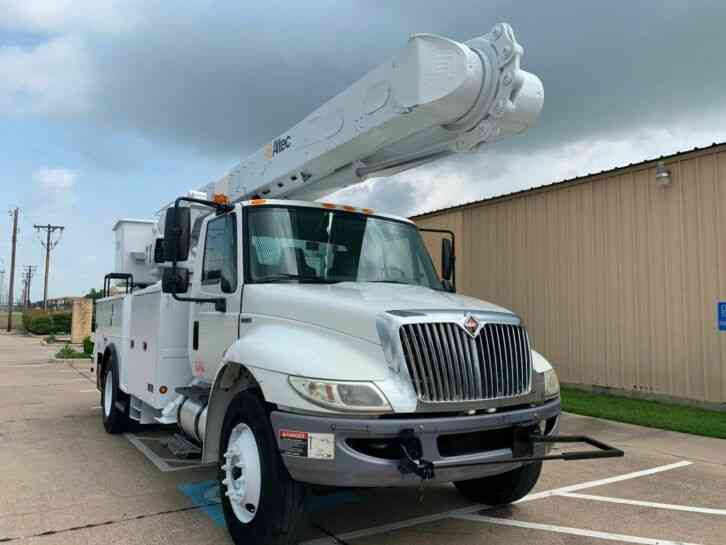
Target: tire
[272, 512]
[501, 489]
[115, 419]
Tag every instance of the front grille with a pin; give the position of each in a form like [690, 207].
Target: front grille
[447, 364]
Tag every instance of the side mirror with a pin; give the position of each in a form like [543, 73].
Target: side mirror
[175, 281]
[447, 259]
[159, 251]
[177, 233]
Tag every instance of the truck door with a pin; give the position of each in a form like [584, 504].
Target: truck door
[218, 275]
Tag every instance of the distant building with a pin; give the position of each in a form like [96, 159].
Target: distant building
[59, 303]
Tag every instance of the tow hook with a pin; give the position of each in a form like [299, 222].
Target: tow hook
[412, 460]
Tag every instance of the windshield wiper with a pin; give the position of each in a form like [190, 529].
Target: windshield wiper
[300, 277]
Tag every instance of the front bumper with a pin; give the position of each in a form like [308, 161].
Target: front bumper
[347, 466]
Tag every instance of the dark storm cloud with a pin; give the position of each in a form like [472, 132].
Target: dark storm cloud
[208, 84]
[224, 80]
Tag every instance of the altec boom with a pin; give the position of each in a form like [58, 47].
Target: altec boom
[435, 98]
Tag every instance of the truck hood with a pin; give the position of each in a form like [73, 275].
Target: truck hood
[351, 307]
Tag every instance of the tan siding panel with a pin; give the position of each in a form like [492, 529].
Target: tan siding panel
[709, 278]
[616, 277]
[720, 159]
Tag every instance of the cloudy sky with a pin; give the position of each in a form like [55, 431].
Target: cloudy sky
[109, 109]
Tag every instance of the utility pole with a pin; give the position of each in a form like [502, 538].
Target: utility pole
[49, 244]
[12, 269]
[24, 296]
[28, 277]
[2, 286]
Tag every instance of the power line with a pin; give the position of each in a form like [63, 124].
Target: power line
[49, 244]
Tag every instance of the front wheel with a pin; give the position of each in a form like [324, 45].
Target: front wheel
[261, 502]
[501, 489]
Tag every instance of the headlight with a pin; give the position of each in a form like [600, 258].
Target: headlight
[345, 396]
[552, 383]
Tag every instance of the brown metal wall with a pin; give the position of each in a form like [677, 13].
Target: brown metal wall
[616, 278]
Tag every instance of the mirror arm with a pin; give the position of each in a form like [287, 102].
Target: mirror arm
[220, 303]
[453, 252]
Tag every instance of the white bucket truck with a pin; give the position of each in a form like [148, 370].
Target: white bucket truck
[305, 343]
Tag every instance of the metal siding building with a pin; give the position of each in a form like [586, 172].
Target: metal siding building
[616, 277]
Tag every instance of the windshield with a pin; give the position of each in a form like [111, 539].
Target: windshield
[326, 246]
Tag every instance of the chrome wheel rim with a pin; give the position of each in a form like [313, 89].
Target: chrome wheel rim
[242, 473]
[107, 393]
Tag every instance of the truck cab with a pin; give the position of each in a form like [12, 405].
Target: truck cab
[337, 317]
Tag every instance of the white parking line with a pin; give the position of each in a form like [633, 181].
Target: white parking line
[704, 510]
[457, 513]
[96, 408]
[570, 531]
[601, 482]
[88, 391]
[383, 528]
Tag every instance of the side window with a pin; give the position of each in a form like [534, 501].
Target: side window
[220, 254]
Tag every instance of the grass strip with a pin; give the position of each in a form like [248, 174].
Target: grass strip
[652, 414]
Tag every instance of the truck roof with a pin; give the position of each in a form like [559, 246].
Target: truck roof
[326, 205]
[131, 220]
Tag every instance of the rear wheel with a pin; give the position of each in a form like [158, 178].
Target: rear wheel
[501, 489]
[114, 403]
[261, 502]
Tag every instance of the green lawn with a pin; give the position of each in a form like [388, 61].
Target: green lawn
[652, 414]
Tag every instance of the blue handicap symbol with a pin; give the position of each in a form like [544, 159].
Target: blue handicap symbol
[205, 495]
[721, 315]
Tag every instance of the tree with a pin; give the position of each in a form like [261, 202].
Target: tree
[94, 294]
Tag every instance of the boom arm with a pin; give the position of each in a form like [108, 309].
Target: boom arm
[434, 98]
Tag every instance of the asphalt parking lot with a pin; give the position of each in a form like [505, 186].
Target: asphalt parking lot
[64, 480]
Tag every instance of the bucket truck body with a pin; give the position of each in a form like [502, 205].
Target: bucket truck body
[298, 343]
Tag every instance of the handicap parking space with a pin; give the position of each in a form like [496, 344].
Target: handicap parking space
[64, 480]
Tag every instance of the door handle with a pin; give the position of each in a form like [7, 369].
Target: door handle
[195, 336]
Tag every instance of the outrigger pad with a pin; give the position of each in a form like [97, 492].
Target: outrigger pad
[183, 449]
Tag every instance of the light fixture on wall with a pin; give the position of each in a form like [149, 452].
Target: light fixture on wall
[662, 174]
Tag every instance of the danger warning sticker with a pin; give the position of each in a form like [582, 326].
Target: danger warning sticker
[318, 446]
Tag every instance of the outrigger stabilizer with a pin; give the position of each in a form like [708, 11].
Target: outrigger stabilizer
[523, 441]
